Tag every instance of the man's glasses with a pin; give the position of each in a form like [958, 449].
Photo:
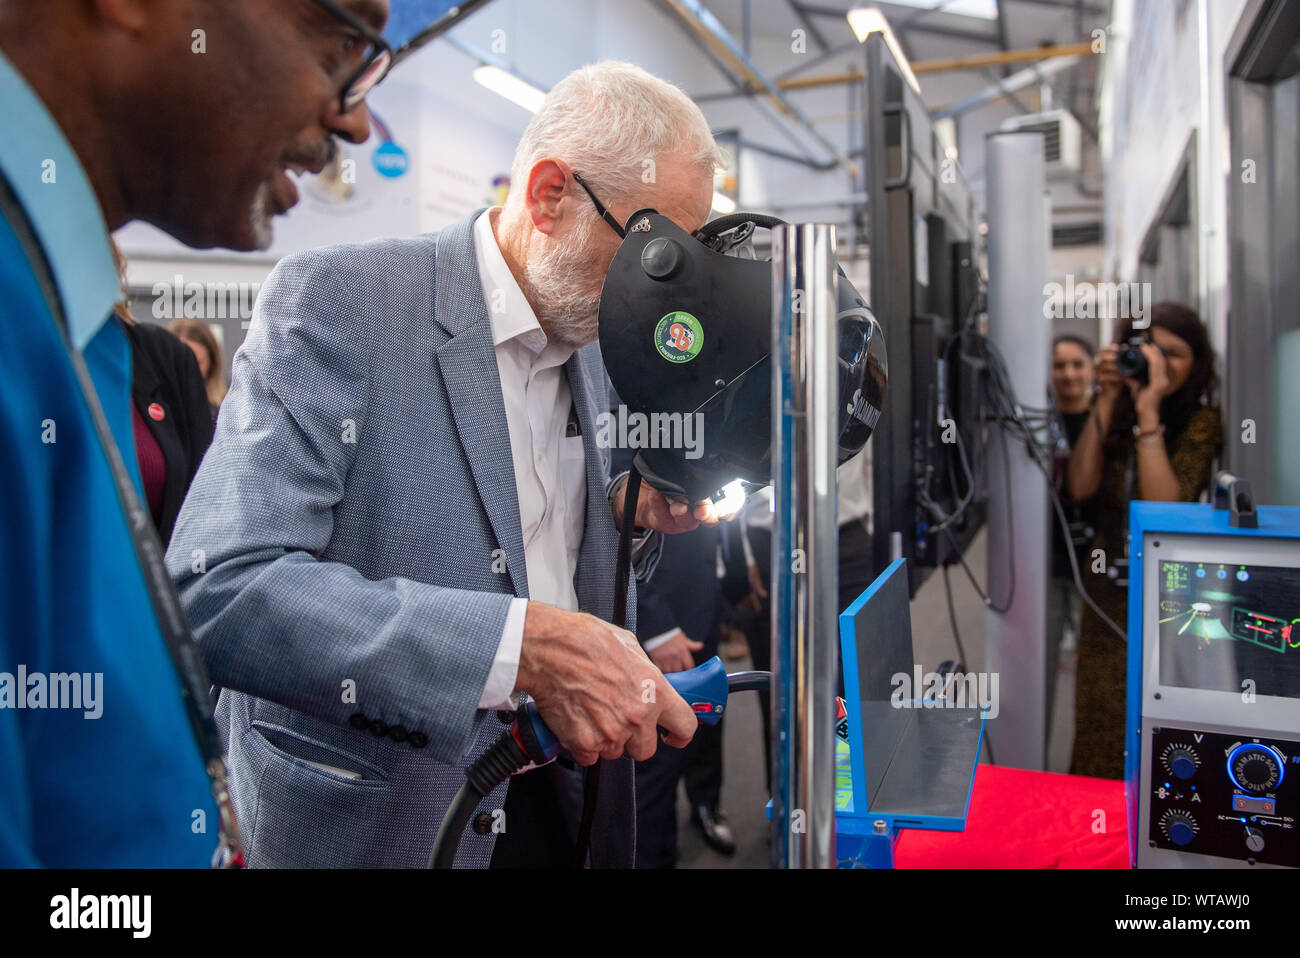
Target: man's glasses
[378, 61]
[605, 214]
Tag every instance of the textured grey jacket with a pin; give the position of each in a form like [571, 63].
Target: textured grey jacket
[348, 550]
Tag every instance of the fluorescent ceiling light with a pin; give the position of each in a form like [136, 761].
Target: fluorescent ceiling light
[945, 131]
[868, 20]
[979, 9]
[510, 86]
[723, 204]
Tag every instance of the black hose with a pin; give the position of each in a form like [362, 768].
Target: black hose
[492, 768]
[453, 826]
[719, 226]
[749, 682]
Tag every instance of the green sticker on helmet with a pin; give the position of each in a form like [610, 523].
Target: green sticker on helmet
[679, 337]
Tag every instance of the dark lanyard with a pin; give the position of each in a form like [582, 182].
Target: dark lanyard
[148, 549]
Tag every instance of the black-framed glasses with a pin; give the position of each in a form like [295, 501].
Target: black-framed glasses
[605, 214]
[378, 61]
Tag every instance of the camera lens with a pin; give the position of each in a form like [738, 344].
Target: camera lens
[1131, 362]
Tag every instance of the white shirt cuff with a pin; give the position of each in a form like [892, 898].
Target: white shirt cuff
[498, 692]
[660, 639]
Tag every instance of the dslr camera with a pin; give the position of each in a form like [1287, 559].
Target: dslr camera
[1131, 362]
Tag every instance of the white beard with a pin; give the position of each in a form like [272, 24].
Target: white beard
[565, 290]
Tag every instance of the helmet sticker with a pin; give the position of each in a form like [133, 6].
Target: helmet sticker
[679, 337]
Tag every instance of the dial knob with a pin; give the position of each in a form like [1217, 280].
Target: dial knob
[1254, 839]
[1255, 768]
[1179, 826]
[1181, 761]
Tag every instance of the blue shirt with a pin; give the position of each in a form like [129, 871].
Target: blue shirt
[113, 778]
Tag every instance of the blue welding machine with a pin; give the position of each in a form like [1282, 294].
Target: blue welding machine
[1212, 744]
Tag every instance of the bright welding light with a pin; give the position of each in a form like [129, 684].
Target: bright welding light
[731, 500]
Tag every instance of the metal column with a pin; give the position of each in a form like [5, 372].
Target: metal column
[805, 559]
[1018, 542]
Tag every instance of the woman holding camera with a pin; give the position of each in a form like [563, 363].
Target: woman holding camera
[1153, 434]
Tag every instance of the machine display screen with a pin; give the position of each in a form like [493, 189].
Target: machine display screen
[1224, 627]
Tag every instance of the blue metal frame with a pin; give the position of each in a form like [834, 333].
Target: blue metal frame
[1275, 522]
[857, 840]
[852, 693]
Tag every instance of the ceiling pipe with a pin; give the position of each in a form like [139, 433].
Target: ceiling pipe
[941, 66]
[724, 46]
[779, 154]
[1012, 84]
[998, 59]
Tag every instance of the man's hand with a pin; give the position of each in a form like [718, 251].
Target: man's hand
[596, 688]
[674, 655]
[655, 511]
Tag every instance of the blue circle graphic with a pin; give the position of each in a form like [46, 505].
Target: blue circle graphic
[390, 159]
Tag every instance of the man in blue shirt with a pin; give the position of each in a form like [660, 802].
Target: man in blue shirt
[186, 114]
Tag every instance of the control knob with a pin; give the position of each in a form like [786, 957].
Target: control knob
[1254, 839]
[1181, 761]
[1179, 826]
[1255, 768]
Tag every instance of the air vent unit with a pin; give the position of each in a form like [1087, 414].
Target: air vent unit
[1062, 140]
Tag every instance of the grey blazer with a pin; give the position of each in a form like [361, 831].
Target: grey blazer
[348, 550]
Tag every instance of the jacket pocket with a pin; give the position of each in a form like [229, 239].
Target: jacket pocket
[316, 757]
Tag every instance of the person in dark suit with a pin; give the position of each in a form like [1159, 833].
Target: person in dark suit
[168, 399]
[677, 625]
[747, 557]
[171, 419]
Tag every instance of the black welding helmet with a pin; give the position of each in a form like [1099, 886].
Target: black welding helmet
[685, 331]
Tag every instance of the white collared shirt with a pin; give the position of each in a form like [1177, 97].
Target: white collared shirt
[550, 467]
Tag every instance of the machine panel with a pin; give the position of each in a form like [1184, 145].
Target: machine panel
[1224, 795]
[1214, 688]
[1230, 628]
